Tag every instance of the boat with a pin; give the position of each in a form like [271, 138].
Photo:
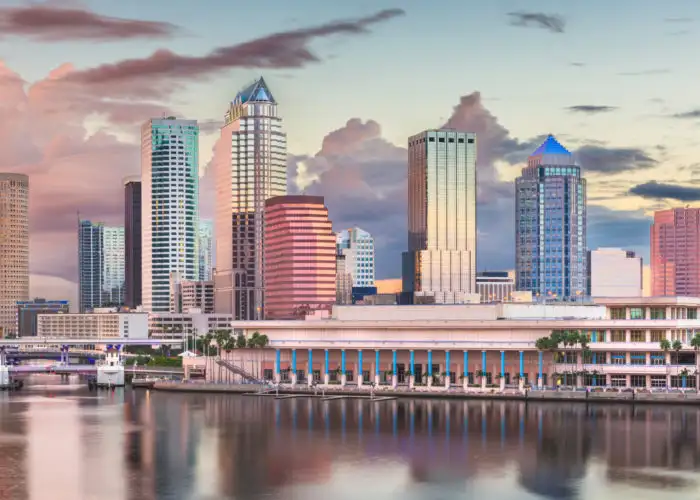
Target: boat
[144, 382]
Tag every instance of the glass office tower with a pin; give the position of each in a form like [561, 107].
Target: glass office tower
[550, 230]
[169, 207]
[250, 167]
[441, 260]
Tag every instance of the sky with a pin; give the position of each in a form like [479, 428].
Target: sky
[613, 81]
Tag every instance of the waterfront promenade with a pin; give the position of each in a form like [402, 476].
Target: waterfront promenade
[608, 395]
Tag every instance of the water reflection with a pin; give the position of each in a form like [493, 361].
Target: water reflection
[69, 443]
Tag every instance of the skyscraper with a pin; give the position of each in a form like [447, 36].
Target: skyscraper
[90, 265]
[113, 266]
[675, 252]
[358, 248]
[132, 242]
[300, 256]
[550, 229]
[206, 249]
[14, 248]
[250, 168]
[100, 265]
[441, 258]
[170, 207]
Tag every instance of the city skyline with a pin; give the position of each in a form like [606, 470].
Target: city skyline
[361, 154]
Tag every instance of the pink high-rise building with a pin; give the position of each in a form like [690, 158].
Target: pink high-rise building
[675, 252]
[299, 255]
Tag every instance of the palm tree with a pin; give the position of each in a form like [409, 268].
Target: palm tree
[677, 346]
[240, 341]
[695, 344]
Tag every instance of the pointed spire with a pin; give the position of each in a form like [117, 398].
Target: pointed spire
[551, 147]
[258, 91]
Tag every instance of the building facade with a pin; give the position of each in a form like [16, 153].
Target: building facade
[90, 265]
[14, 248]
[675, 252]
[357, 246]
[550, 228]
[250, 167]
[187, 296]
[28, 312]
[451, 345]
[113, 266]
[179, 325]
[206, 250]
[132, 242]
[495, 286]
[300, 256]
[170, 207]
[93, 325]
[613, 272]
[343, 281]
[441, 257]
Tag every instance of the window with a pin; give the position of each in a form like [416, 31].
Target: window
[658, 381]
[657, 335]
[637, 336]
[636, 313]
[617, 336]
[618, 381]
[638, 380]
[657, 313]
[638, 359]
[617, 313]
[618, 358]
[658, 358]
[348, 375]
[267, 374]
[692, 313]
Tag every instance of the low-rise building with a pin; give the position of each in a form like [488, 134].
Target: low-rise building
[465, 343]
[495, 286]
[180, 325]
[93, 325]
[188, 296]
[28, 312]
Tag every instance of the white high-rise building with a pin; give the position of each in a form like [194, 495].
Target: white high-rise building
[358, 248]
[613, 272]
[206, 249]
[440, 264]
[251, 166]
[113, 265]
[170, 207]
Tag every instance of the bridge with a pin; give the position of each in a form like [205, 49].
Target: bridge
[92, 369]
[51, 341]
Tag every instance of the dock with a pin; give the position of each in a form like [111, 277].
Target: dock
[354, 396]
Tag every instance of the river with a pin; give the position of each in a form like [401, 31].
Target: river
[58, 441]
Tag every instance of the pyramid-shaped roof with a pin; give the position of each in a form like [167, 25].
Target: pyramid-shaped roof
[258, 91]
[551, 147]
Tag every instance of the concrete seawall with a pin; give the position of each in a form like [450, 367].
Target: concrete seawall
[554, 396]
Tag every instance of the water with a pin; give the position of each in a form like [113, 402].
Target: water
[62, 442]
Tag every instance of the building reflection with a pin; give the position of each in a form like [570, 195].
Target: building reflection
[13, 449]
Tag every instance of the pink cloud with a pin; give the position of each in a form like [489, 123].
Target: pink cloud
[50, 23]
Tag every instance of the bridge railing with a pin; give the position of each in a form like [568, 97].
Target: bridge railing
[237, 370]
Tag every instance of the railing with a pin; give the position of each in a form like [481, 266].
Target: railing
[237, 370]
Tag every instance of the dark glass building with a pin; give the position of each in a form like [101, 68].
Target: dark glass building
[28, 312]
[550, 230]
[132, 242]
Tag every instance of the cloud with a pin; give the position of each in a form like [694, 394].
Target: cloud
[610, 160]
[646, 72]
[678, 20]
[553, 23]
[578, 64]
[48, 23]
[287, 49]
[591, 109]
[658, 190]
[628, 229]
[688, 115]
[77, 141]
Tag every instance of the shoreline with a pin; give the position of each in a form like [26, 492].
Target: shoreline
[536, 396]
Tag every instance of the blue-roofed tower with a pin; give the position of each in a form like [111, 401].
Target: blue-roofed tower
[250, 167]
[550, 231]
